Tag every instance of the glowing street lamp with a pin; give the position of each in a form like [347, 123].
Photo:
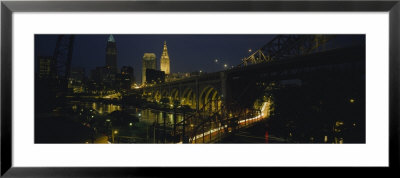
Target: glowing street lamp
[113, 133]
[225, 65]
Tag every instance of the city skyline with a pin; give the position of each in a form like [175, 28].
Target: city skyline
[185, 50]
[290, 89]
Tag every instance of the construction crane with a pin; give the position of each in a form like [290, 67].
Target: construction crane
[62, 59]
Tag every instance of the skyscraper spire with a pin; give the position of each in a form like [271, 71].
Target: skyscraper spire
[164, 60]
[111, 39]
[165, 50]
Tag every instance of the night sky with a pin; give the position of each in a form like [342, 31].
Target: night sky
[187, 53]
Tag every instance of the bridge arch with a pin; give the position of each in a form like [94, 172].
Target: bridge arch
[188, 97]
[157, 95]
[164, 93]
[209, 99]
[174, 95]
[216, 102]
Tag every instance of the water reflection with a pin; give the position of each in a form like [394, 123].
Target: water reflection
[150, 116]
[142, 131]
[105, 108]
[128, 124]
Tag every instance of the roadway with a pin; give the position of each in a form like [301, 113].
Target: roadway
[216, 134]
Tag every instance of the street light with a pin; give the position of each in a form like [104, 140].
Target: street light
[113, 133]
[250, 50]
[225, 65]
[216, 60]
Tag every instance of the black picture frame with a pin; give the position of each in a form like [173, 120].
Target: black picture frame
[8, 7]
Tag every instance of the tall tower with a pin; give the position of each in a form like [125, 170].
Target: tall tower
[164, 60]
[111, 54]
[148, 62]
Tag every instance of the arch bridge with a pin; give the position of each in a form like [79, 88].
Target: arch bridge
[241, 86]
[195, 92]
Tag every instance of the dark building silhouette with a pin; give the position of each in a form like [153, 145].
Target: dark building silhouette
[127, 77]
[76, 79]
[111, 55]
[109, 72]
[154, 76]
[109, 76]
[47, 67]
[77, 74]
[127, 70]
[97, 74]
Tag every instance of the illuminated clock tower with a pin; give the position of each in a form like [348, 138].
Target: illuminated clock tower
[164, 61]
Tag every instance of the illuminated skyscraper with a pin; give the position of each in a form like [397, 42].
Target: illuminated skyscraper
[111, 54]
[164, 60]
[148, 62]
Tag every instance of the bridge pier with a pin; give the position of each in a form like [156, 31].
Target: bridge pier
[197, 91]
[223, 78]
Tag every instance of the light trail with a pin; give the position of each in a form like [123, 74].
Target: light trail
[112, 96]
[264, 114]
